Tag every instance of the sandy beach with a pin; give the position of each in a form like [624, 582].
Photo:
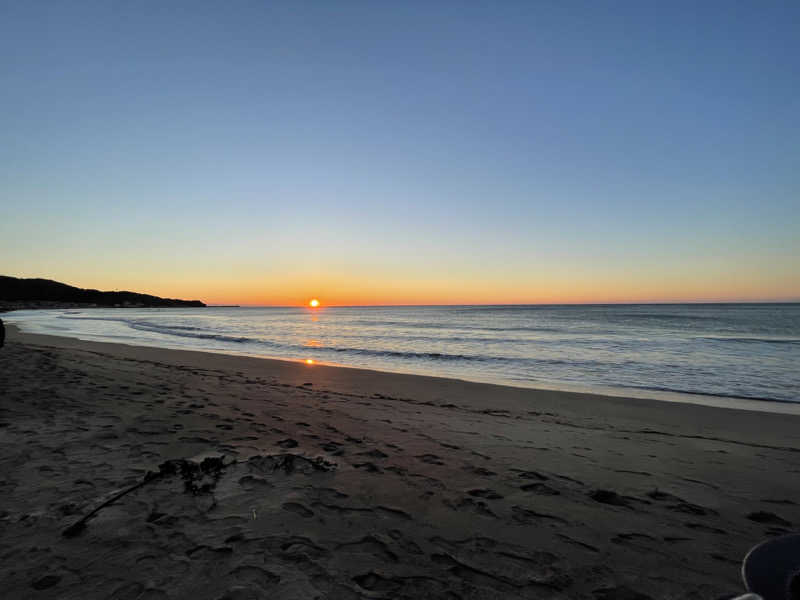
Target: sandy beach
[132, 472]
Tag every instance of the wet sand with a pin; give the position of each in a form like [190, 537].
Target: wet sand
[215, 476]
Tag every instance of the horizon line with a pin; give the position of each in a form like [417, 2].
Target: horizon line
[520, 304]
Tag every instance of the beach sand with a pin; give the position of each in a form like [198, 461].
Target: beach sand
[253, 478]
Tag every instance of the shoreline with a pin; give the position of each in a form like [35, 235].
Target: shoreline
[237, 477]
[628, 394]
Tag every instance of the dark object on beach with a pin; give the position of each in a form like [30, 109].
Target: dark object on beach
[77, 527]
[2, 333]
[772, 569]
[198, 478]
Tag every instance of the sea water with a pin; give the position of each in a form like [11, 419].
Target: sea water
[726, 350]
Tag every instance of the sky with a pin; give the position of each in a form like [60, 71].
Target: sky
[403, 153]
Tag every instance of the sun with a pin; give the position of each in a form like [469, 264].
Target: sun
[313, 303]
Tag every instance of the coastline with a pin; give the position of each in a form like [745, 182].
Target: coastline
[585, 394]
[347, 483]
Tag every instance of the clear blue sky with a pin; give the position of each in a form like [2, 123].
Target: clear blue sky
[410, 152]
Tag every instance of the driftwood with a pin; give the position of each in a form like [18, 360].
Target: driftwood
[193, 475]
[201, 478]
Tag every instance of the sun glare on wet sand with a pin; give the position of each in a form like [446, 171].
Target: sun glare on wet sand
[313, 303]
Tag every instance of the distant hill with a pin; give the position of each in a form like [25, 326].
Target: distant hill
[16, 293]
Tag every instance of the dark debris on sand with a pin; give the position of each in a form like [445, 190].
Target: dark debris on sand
[200, 478]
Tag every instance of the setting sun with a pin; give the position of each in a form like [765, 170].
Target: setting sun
[313, 303]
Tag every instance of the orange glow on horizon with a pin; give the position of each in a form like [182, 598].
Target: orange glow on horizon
[309, 361]
[550, 286]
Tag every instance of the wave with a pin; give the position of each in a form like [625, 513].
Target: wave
[667, 316]
[401, 354]
[174, 330]
[750, 340]
[453, 326]
[201, 336]
[694, 392]
[481, 358]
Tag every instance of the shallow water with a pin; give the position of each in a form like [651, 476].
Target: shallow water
[728, 350]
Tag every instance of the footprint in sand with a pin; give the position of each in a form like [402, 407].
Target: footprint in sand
[373, 582]
[707, 528]
[532, 475]
[46, 582]
[487, 494]
[370, 545]
[768, 518]
[430, 459]
[479, 471]
[525, 515]
[368, 467]
[540, 488]
[332, 447]
[374, 453]
[254, 575]
[298, 509]
[609, 497]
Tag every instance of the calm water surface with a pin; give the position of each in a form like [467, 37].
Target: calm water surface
[735, 350]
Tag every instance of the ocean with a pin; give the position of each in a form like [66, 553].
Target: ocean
[724, 350]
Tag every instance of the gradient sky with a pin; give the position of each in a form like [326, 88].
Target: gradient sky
[406, 152]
